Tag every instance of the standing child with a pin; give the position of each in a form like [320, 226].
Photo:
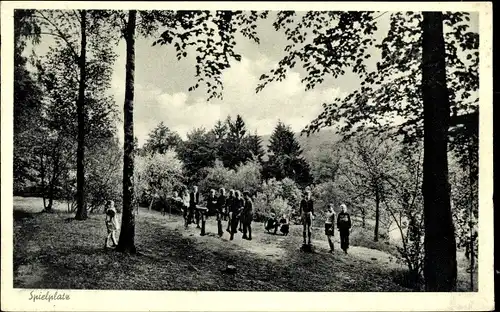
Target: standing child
[330, 226]
[111, 223]
[344, 226]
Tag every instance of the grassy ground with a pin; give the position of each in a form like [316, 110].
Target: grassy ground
[54, 251]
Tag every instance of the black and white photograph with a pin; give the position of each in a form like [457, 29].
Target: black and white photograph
[222, 154]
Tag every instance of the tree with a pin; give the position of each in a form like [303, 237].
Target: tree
[161, 139]
[405, 205]
[371, 159]
[72, 30]
[55, 128]
[235, 145]
[253, 142]
[197, 152]
[27, 103]
[440, 268]
[285, 158]
[340, 41]
[126, 241]
[158, 175]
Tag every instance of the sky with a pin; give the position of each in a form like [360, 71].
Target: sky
[162, 82]
[162, 85]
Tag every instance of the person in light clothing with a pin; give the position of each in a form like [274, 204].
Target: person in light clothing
[330, 226]
[111, 224]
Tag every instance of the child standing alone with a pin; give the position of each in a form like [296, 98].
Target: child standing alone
[330, 226]
[111, 223]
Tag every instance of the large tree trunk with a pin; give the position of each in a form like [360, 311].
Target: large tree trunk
[81, 213]
[440, 265]
[126, 242]
[377, 212]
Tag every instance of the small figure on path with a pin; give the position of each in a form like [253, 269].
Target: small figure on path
[229, 207]
[307, 216]
[194, 200]
[236, 209]
[344, 226]
[330, 226]
[221, 207]
[111, 224]
[247, 216]
[185, 206]
[284, 225]
[272, 223]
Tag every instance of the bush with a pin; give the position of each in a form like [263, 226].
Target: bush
[156, 177]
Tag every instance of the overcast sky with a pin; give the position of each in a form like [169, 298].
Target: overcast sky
[162, 82]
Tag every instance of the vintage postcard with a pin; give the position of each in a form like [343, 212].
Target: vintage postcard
[247, 156]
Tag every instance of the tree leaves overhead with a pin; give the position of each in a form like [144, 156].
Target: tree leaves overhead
[324, 42]
[58, 73]
[210, 37]
[393, 90]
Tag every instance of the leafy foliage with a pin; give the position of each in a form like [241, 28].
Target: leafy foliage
[210, 37]
[393, 89]
[285, 158]
[157, 175]
[161, 139]
[197, 152]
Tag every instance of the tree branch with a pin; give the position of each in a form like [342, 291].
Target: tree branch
[61, 35]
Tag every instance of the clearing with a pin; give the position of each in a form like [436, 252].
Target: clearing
[55, 251]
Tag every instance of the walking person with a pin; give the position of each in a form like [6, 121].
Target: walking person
[247, 216]
[307, 216]
[330, 226]
[221, 207]
[344, 226]
[236, 209]
[229, 206]
[194, 201]
[111, 224]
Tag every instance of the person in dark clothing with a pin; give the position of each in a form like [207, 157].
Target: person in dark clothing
[212, 203]
[236, 208]
[307, 215]
[247, 216]
[210, 210]
[229, 207]
[284, 225]
[221, 207]
[330, 226]
[344, 226]
[272, 223]
[194, 200]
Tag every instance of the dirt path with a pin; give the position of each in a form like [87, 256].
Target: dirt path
[52, 251]
[267, 245]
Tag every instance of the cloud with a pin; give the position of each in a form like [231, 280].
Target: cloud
[182, 112]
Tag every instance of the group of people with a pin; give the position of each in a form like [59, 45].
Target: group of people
[343, 222]
[237, 209]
